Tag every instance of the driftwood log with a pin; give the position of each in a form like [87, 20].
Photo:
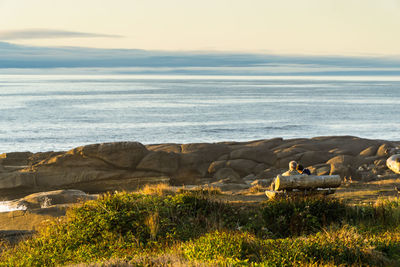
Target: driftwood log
[304, 182]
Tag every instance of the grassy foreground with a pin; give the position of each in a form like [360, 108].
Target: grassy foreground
[154, 228]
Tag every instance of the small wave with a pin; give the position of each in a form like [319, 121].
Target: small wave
[255, 128]
[285, 127]
[223, 130]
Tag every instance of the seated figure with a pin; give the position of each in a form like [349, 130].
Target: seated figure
[292, 169]
[303, 170]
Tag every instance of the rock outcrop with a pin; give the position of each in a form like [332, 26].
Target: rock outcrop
[129, 165]
[48, 199]
[31, 211]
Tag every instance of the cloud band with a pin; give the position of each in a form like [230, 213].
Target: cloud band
[50, 34]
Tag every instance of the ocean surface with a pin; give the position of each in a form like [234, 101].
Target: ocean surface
[61, 111]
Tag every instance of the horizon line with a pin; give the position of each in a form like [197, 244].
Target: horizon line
[214, 51]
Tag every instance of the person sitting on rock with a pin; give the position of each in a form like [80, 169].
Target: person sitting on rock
[302, 170]
[292, 169]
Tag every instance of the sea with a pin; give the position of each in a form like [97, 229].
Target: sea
[60, 111]
[57, 112]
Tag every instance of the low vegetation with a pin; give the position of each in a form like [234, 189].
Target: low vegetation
[189, 228]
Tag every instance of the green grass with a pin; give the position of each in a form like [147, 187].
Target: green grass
[193, 230]
[344, 246]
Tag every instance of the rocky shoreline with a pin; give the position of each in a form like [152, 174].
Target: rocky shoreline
[128, 165]
[46, 184]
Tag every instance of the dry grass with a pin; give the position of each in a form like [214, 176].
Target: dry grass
[256, 189]
[202, 190]
[365, 196]
[157, 189]
[170, 260]
[166, 260]
[385, 182]
[153, 222]
[368, 192]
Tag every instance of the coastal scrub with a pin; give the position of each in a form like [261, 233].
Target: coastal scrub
[193, 228]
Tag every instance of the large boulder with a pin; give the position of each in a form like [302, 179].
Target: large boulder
[360, 160]
[266, 144]
[259, 168]
[160, 161]
[203, 152]
[309, 158]
[216, 165]
[43, 156]
[369, 151]
[67, 160]
[349, 145]
[320, 169]
[175, 148]
[343, 171]
[342, 151]
[118, 154]
[291, 143]
[268, 174]
[16, 180]
[186, 176]
[75, 171]
[342, 165]
[198, 157]
[341, 159]
[228, 174]
[242, 166]
[258, 154]
[288, 152]
[383, 150]
[15, 158]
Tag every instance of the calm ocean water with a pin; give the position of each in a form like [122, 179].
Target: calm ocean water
[59, 112]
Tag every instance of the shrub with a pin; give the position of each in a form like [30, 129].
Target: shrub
[222, 247]
[139, 228]
[120, 225]
[204, 191]
[157, 189]
[343, 246]
[286, 217]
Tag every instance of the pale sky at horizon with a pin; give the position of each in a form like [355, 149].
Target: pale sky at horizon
[330, 27]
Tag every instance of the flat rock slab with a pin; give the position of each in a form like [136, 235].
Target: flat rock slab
[47, 199]
[29, 220]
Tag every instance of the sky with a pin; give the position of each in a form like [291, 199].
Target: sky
[312, 27]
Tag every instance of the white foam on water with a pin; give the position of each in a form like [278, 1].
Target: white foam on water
[6, 207]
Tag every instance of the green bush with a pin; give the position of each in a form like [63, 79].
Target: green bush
[119, 225]
[287, 217]
[338, 247]
[223, 247]
[129, 226]
[291, 217]
[382, 215]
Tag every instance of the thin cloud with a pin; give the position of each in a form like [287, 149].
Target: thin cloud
[47, 34]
